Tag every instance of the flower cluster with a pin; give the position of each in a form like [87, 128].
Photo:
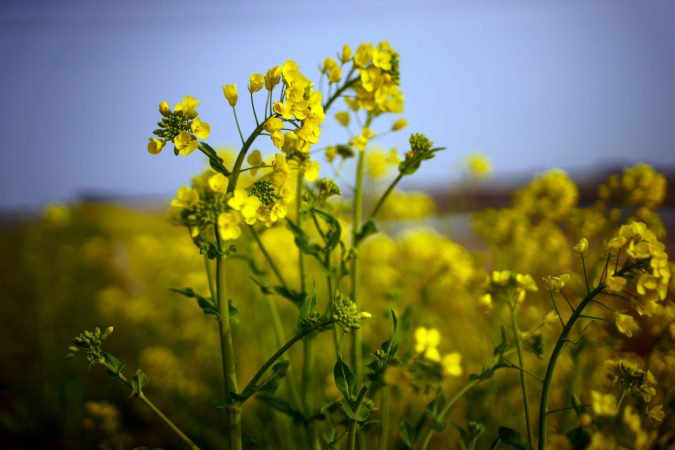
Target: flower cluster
[90, 343]
[180, 126]
[346, 313]
[551, 196]
[377, 89]
[507, 285]
[426, 345]
[301, 103]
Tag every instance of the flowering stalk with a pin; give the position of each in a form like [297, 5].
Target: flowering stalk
[357, 355]
[548, 377]
[521, 371]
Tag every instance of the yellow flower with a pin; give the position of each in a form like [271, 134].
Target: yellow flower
[501, 277]
[399, 124]
[164, 109]
[273, 77]
[255, 160]
[452, 364]
[328, 65]
[335, 74]
[185, 143]
[479, 165]
[330, 153]
[346, 54]
[363, 55]
[278, 139]
[615, 284]
[186, 197]
[426, 343]
[311, 170]
[189, 106]
[228, 225]
[582, 246]
[556, 283]
[485, 302]
[230, 91]
[200, 129]
[656, 413]
[603, 404]
[626, 324]
[255, 82]
[382, 58]
[246, 204]
[273, 124]
[155, 146]
[342, 117]
[218, 182]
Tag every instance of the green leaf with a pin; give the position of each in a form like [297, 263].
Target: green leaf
[281, 405]
[344, 379]
[302, 240]
[138, 382]
[408, 433]
[366, 230]
[305, 311]
[334, 231]
[114, 362]
[296, 297]
[510, 437]
[271, 384]
[359, 416]
[206, 304]
[214, 160]
[235, 319]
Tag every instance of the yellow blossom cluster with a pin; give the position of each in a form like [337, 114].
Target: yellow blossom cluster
[552, 195]
[182, 126]
[377, 89]
[426, 344]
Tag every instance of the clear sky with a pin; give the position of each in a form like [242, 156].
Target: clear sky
[533, 84]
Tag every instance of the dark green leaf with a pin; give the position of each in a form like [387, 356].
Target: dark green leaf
[271, 384]
[114, 362]
[302, 240]
[234, 313]
[138, 382]
[305, 311]
[206, 304]
[366, 230]
[408, 433]
[334, 231]
[344, 379]
[511, 437]
[359, 416]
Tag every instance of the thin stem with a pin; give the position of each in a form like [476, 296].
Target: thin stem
[168, 421]
[342, 88]
[267, 256]
[353, 423]
[356, 229]
[380, 202]
[556, 308]
[386, 418]
[523, 384]
[583, 266]
[236, 120]
[254, 113]
[521, 368]
[240, 158]
[548, 377]
[227, 351]
[567, 408]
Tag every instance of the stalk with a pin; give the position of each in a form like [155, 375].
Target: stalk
[523, 384]
[548, 378]
[386, 419]
[227, 352]
[357, 218]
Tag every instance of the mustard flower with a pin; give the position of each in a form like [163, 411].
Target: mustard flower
[246, 204]
[335, 74]
[155, 146]
[346, 54]
[273, 124]
[185, 143]
[363, 55]
[218, 183]
[554, 284]
[342, 117]
[278, 139]
[255, 160]
[399, 124]
[603, 404]
[426, 343]
[452, 364]
[615, 284]
[626, 324]
[582, 246]
[228, 225]
[273, 77]
[186, 197]
[311, 170]
[230, 91]
[255, 82]
[200, 129]
[479, 165]
[164, 109]
[188, 106]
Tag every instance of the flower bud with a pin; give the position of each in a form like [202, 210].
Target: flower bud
[164, 109]
[230, 91]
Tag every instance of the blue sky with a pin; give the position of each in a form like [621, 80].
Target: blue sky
[533, 84]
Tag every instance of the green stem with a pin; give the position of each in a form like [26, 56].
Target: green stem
[272, 359]
[353, 424]
[349, 83]
[357, 218]
[168, 421]
[548, 377]
[236, 120]
[234, 176]
[382, 199]
[253, 106]
[459, 394]
[267, 256]
[227, 351]
[155, 409]
[523, 384]
[386, 418]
